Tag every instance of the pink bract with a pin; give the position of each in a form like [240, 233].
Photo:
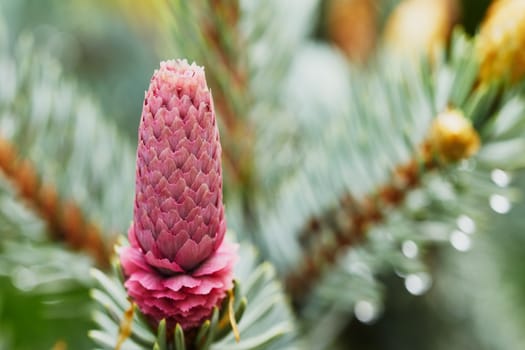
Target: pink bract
[187, 299]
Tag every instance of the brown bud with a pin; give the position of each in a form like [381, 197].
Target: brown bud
[351, 25]
[501, 42]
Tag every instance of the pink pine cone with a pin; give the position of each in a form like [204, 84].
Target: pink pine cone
[178, 215]
[178, 266]
[187, 299]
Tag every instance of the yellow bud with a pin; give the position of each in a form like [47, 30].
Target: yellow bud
[420, 26]
[453, 137]
[501, 42]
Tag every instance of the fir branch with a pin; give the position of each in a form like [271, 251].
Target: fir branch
[54, 151]
[218, 43]
[350, 221]
[64, 219]
[329, 234]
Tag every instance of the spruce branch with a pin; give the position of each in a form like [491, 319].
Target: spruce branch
[218, 46]
[350, 221]
[326, 236]
[54, 151]
[64, 219]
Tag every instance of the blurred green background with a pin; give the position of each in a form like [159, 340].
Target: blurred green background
[111, 48]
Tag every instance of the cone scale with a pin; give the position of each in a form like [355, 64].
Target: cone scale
[178, 265]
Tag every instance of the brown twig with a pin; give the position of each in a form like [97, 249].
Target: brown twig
[451, 138]
[349, 223]
[64, 219]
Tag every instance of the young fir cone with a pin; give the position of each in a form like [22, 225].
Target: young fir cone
[178, 266]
